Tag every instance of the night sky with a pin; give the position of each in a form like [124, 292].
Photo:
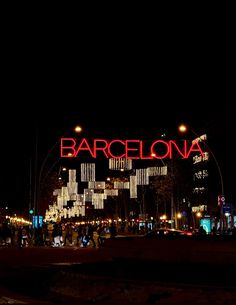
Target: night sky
[144, 121]
[134, 88]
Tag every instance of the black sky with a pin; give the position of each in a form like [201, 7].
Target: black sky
[138, 120]
[127, 86]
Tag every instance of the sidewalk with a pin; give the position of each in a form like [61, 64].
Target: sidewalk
[9, 297]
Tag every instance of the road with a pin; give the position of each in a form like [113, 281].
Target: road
[23, 271]
[90, 276]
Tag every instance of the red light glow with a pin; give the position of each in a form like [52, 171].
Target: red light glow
[130, 149]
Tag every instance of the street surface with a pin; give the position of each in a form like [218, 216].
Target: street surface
[73, 275]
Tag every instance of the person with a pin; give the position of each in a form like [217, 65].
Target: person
[24, 235]
[56, 234]
[202, 231]
[90, 235]
[19, 236]
[101, 231]
[6, 234]
[112, 229]
[68, 233]
[213, 231]
[234, 231]
[84, 239]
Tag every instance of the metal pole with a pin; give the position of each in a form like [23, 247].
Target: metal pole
[36, 175]
[172, 207]
[30, 187]
[172, 210]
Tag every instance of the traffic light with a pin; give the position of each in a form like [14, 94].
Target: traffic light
[221, 200]
[31, 211]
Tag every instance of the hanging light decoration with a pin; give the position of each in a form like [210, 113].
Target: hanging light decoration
[142, 176]
[80, 198]
[121, 185]
[110, 192]
[88, 193]
[120, 164]
[98, 200]
[98, 185]
[60, 202]
[157, 171]
[72, 175]
[87, 172]
[65, 195]
[133, 186]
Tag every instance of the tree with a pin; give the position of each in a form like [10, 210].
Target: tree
[46, 189]
[170, 190]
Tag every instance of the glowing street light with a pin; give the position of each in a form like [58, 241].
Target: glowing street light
[179, 218]
[77, 129]
[179, 215]
[182, 128]
[199, 214]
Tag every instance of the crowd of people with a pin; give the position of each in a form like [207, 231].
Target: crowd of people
[56, 234]
[59, 234]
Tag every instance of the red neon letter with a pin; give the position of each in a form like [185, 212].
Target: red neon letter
[198, 148]
[157, 156]
[87, 147]
[176, 146]
[109, 149]
[69, 150]
[100, 148]
[141, 152]
[127, 149]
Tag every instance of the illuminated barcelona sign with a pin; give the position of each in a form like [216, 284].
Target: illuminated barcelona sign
[129, 149]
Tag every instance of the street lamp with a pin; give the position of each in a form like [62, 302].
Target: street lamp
[179, 216]
[183, 129]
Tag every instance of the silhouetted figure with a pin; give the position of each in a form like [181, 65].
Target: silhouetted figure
[113, 231]
[19, 236]
[213, 231]
[90, 235]
[202, 231]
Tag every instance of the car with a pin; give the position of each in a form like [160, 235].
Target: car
[166, 232]
[159, 244]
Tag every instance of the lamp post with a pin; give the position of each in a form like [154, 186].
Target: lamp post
[179, 222]
[38, 173]
[184, 128]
